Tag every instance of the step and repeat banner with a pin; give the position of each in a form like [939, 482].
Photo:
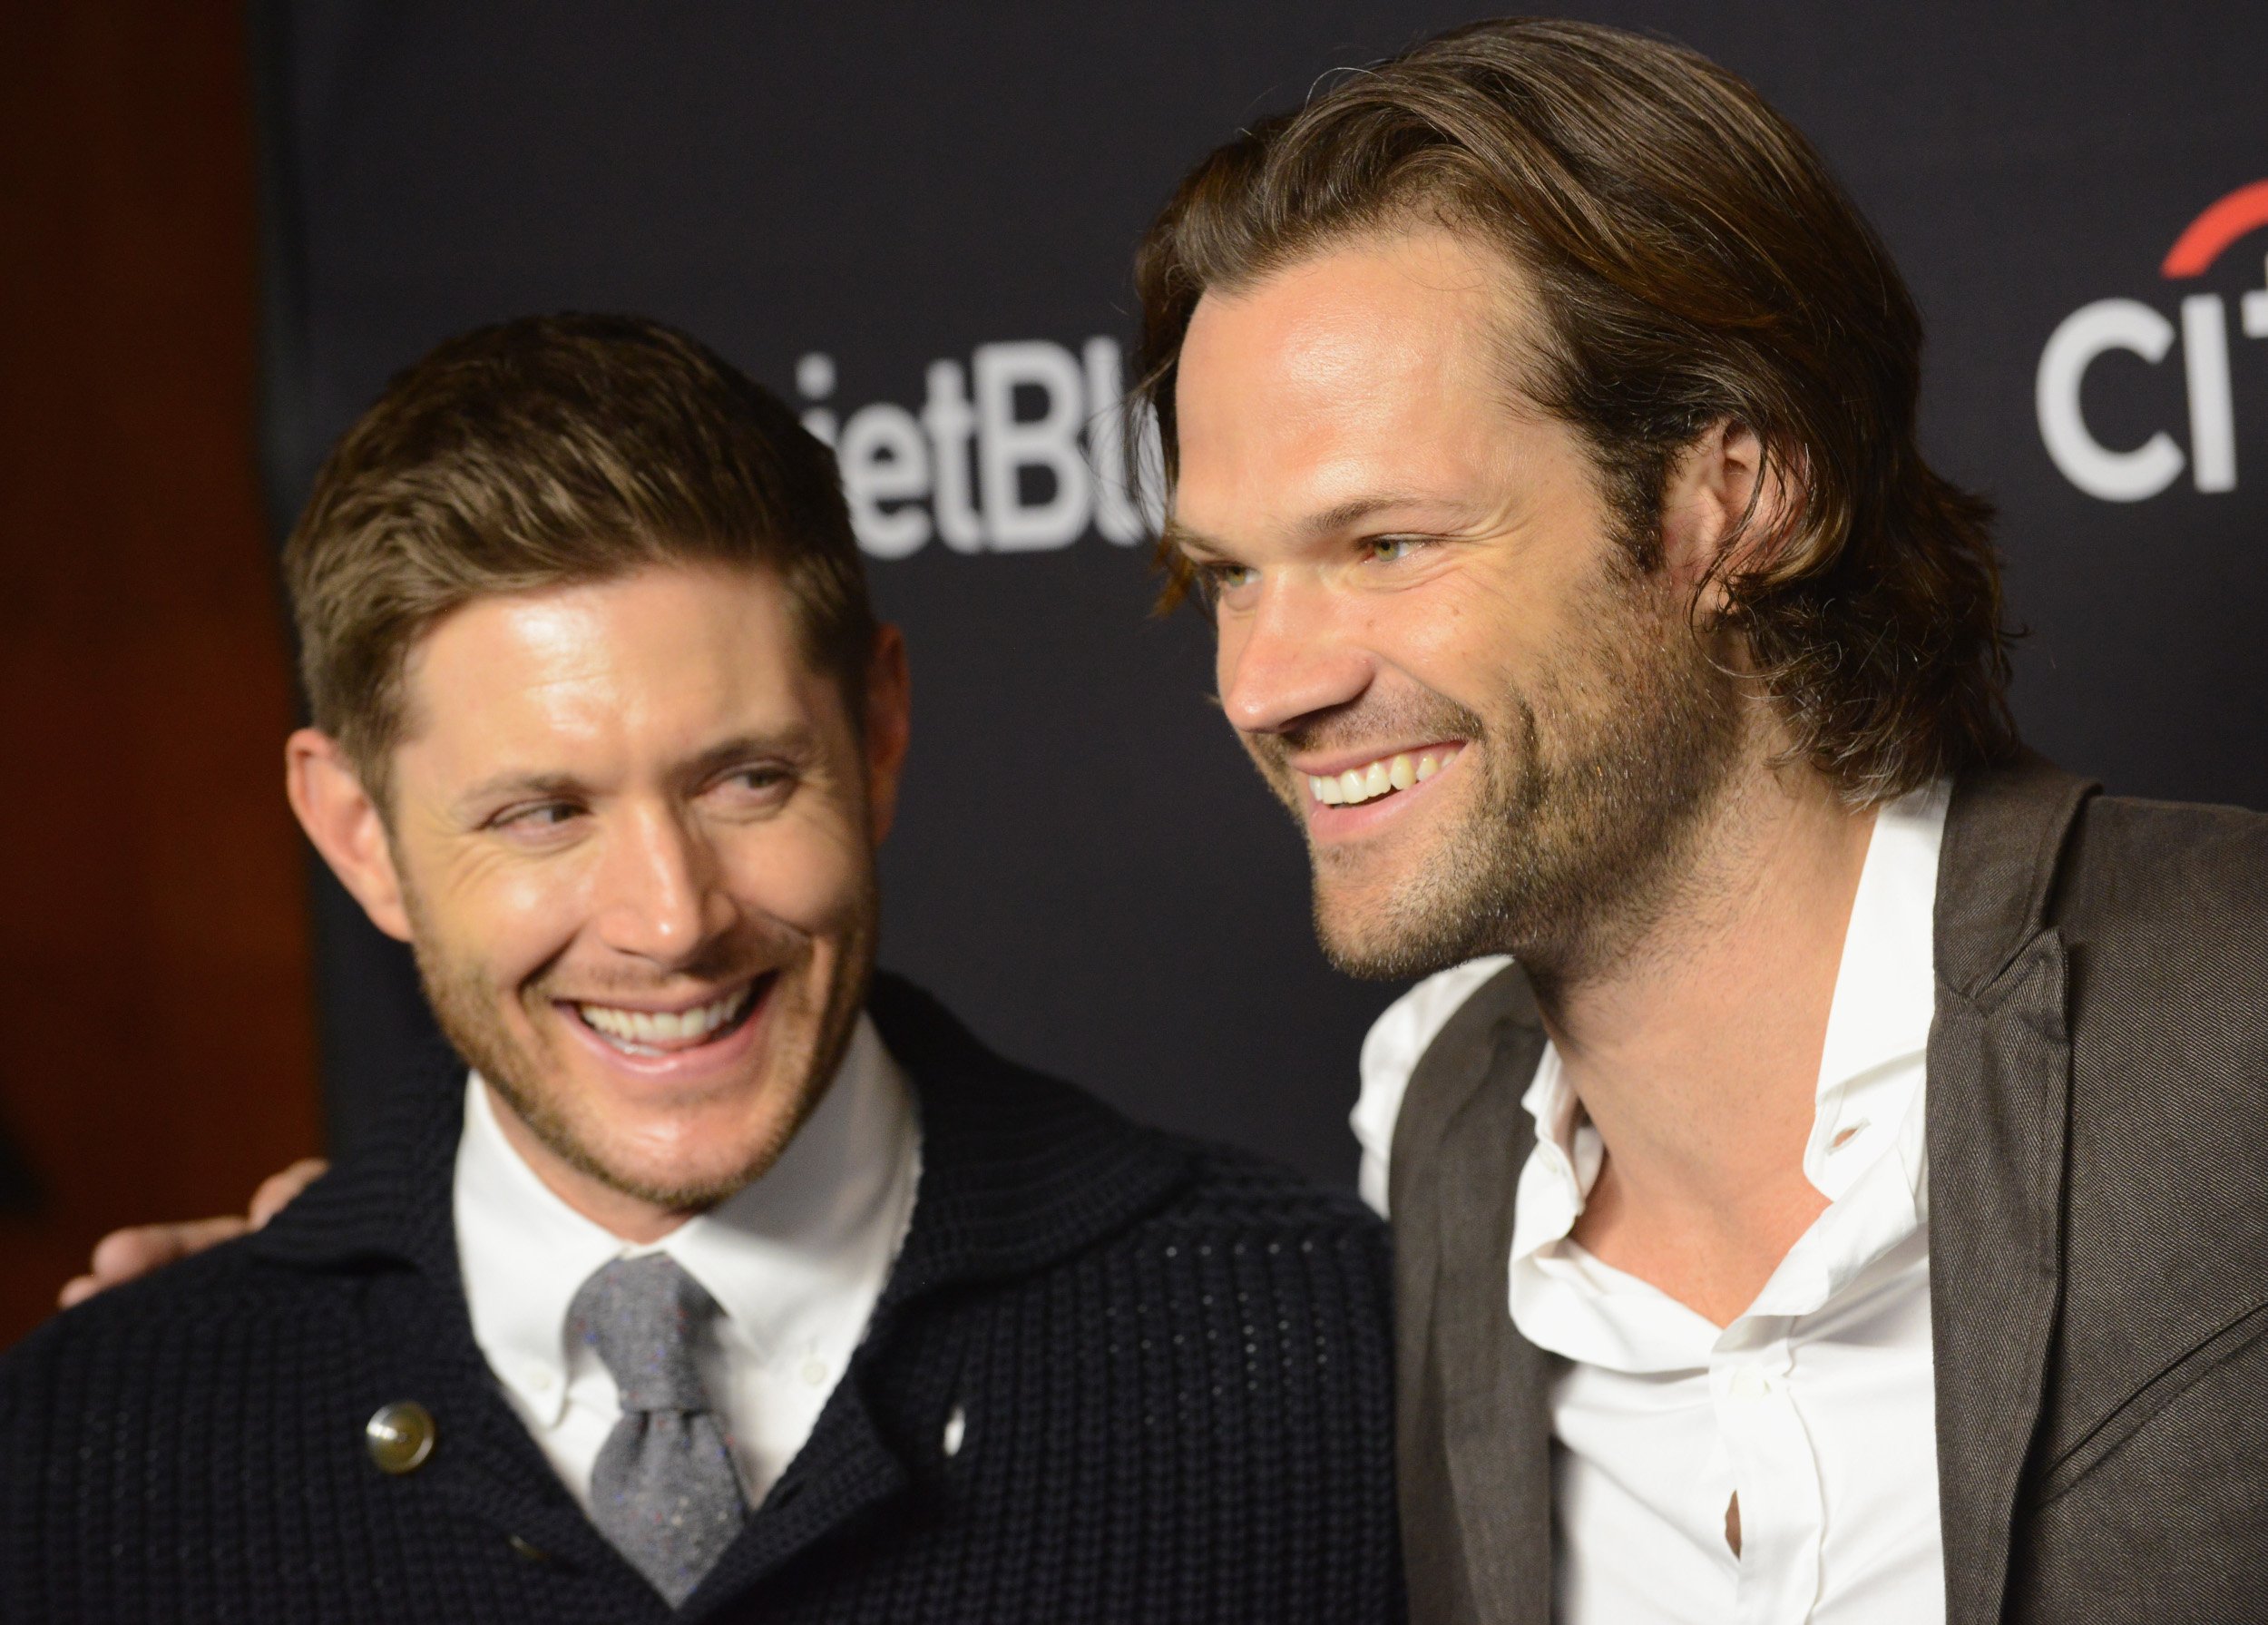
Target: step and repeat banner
[915, 224]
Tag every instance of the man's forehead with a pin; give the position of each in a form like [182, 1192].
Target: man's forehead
[1403, 294]
[660, 660]
[662, 615]
[1365, 378]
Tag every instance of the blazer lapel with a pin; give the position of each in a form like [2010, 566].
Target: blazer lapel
[1999, 1075]
[1498, 1428]
[1478, 1397]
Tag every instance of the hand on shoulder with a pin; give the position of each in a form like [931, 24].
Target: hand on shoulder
[125, 1255]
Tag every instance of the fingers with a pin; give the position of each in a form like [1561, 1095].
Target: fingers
[122, 1255]
[77, 1291]
[277, 1190]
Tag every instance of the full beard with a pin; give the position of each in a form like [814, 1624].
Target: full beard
[811, 1017]
[1592, 791]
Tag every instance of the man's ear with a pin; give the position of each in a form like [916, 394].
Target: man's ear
[889, 727]
[1722, 506]
[346, 827]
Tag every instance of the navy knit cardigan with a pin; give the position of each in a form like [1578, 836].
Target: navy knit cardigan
[1169, 1364]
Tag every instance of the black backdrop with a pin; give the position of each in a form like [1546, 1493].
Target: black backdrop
[916, 220]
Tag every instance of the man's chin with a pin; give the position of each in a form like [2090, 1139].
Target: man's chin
[1378, 942]
[688, 1160]
[672, 1184]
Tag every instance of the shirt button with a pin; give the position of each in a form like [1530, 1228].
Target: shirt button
[813, 1371]
[1750, 1383]
[399, 1437]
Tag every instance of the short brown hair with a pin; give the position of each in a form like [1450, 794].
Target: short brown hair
[552, 451]
[1693, 261]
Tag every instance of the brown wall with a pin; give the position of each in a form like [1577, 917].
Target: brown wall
[156, 1052]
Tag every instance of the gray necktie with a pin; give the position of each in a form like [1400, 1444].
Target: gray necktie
[664, 1491]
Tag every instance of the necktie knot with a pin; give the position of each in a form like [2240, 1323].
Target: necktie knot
[644, 1318]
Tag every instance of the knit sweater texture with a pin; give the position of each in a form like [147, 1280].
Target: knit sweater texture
[1115, 1376]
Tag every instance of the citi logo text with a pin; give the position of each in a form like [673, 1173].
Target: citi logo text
[2136, 472]
[1020, 451]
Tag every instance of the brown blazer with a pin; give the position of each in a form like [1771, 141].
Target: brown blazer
[2097, 1127]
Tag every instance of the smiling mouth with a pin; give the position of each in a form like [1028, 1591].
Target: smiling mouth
[1385, 777]
[650, 1032]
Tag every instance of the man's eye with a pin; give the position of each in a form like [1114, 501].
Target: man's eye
[766, 784]
[1223, 577]
[550, 815]
[1386, 550]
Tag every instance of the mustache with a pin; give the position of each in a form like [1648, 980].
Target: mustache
[1363, 722]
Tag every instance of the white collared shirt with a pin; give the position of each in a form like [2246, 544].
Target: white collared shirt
[1817, 1404]
[795, 1261]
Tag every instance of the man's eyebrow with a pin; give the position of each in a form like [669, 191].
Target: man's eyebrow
[514, 784]
[1182, 539]
[1328, 522]
[1345, 515]
[796, 741]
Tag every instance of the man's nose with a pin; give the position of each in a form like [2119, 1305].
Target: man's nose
[658, 894]
[1292, 657]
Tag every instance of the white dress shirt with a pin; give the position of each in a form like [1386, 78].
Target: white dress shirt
[795, 1261]
[1817, 1406]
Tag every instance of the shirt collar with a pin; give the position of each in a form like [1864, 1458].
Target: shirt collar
[773, 1254]
[1885, 997]
[1877, 1024]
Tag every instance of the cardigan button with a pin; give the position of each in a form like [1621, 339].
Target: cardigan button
[399, 1437]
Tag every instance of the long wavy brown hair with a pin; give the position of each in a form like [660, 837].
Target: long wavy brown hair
[1694, 263]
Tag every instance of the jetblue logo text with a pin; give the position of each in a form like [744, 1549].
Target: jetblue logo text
[1021, 450]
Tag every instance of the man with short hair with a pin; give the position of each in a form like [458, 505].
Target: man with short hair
[732, 1281]
[1845, 1201]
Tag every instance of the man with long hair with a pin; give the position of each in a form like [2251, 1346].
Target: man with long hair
[1825, 1155]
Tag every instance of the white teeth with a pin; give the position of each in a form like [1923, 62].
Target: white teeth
[1381, 778]
[640, 1029]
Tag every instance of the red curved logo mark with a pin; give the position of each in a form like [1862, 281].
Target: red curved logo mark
[2244, 210]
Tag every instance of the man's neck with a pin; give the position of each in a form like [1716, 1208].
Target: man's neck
[1696, 1054]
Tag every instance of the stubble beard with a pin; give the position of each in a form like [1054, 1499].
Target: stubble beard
[1593, 790]
[466, 1006]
